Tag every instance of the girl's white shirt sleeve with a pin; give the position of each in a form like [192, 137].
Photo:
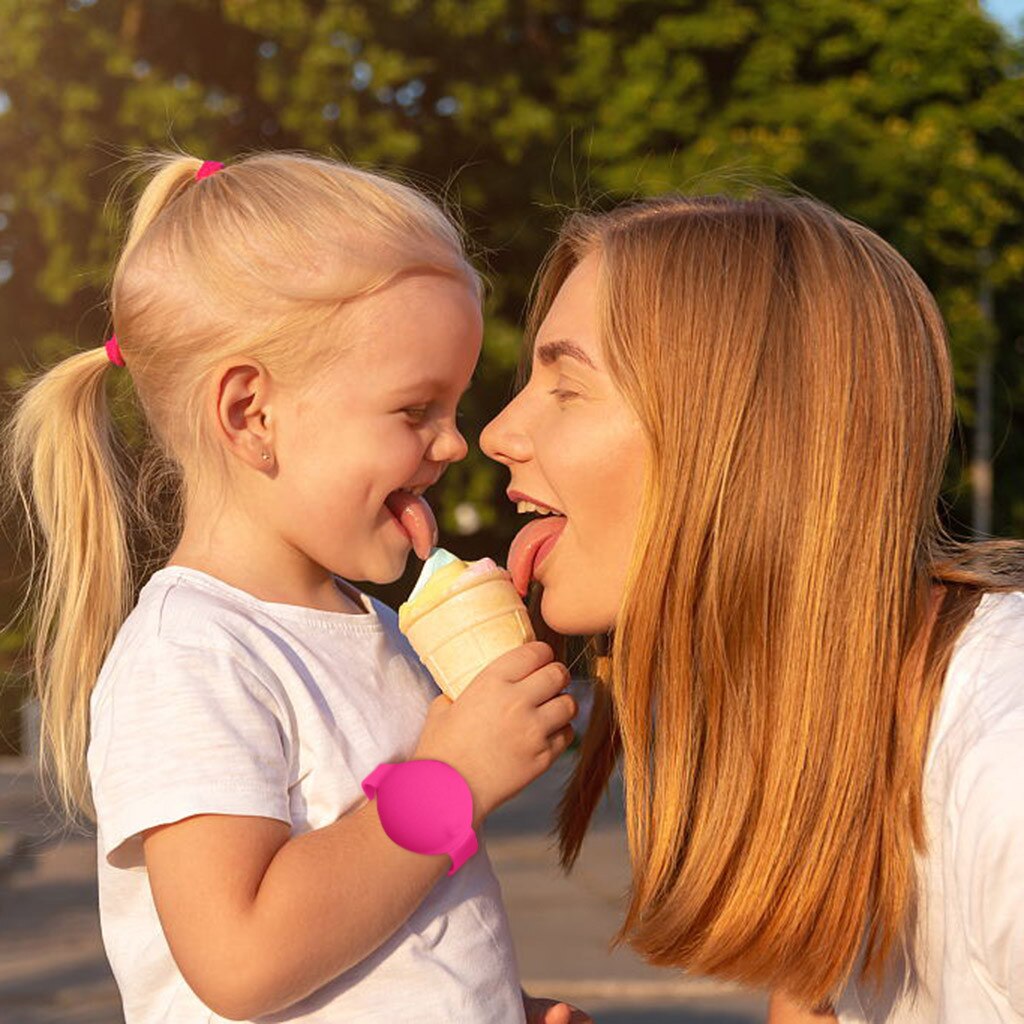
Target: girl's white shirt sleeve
[188, 731]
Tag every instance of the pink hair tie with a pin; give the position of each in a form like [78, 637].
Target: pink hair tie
[114, 351]
[209, 167]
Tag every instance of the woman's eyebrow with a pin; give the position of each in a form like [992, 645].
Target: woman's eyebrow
[551, 351]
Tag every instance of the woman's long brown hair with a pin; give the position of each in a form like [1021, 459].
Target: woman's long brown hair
[776, 661]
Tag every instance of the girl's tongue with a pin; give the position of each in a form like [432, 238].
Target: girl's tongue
[530, 547]
[415, 516]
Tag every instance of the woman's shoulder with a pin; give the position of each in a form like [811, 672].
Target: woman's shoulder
[977, 752]
[985, 680]
[976, 786]
[983, 691]
[983, 838]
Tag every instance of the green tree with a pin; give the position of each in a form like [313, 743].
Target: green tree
[906, 114]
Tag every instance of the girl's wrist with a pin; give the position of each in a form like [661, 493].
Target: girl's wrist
[426, 806]
[481, 806]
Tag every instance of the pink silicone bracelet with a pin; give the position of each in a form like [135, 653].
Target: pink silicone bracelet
[425, 806]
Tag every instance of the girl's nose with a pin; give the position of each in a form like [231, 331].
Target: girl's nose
[503, 441]
[449, 446]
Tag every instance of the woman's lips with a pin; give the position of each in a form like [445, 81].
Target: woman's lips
[531, 546]
[416, 517]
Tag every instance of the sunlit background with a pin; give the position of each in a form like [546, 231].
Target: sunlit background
[907, 116]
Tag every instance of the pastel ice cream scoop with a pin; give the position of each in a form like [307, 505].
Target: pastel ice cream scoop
[461, 616]
[440, 571]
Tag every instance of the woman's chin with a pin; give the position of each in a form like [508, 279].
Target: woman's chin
[572, 618]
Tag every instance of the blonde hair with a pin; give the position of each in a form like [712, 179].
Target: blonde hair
[768, 687]
[252, 261]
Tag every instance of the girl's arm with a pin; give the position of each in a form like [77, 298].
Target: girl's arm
[256, 921]
[781, 1010]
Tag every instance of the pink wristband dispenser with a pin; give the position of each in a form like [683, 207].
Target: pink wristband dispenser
[425, 806]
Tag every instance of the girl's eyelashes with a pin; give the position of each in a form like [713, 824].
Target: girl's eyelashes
[419, 413]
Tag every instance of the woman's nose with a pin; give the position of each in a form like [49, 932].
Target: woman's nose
[503, 439]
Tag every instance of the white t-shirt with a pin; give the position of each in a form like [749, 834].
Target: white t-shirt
[966, 965]
[213, 701]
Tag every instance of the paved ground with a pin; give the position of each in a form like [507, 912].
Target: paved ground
[53, 971]
[563, 924]
[52, 967]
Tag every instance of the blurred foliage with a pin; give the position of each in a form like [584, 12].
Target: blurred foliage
[905, 114]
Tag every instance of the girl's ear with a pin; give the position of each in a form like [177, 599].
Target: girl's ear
[243, 414]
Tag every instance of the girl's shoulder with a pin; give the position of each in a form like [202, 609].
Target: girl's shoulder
[178, 609]
[184, 605]
[188, 605]
[178, 631]
[188, 619]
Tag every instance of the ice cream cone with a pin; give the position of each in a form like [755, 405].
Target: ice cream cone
[460, 633]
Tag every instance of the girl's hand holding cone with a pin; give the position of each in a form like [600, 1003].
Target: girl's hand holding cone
[506, 729]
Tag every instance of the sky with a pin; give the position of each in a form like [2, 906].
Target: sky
[1009, 12]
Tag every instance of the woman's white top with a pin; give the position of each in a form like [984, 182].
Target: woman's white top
[214, 702]
[966, 964]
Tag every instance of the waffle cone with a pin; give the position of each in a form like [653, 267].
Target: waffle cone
[461, 633]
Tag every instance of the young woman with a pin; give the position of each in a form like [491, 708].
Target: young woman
[737, 415]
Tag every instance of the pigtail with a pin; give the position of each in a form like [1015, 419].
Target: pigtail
[60, 455]
[171, 175]
[68, 471]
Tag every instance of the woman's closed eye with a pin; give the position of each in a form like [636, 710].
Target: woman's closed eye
[563, 395]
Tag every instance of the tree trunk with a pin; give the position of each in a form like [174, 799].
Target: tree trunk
[981, 462]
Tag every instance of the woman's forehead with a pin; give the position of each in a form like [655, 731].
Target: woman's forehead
[570, 331]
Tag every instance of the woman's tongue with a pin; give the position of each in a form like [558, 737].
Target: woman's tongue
[415, 516]
[530, 547]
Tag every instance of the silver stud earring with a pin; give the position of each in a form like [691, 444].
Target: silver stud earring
[264, 456]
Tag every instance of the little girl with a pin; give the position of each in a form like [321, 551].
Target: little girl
[298, 334]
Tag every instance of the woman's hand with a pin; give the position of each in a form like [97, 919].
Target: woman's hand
[550, 1011]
